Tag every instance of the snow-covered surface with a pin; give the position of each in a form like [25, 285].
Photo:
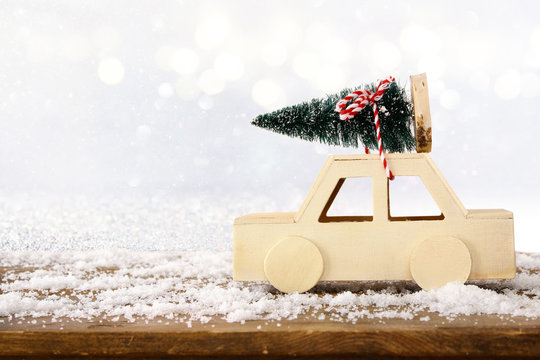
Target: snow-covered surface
[135, 257]
[159, 222]
[185, 286]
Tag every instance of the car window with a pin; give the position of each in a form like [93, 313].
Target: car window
[409, 199]
[351, 200]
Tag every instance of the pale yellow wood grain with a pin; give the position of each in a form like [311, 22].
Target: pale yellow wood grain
[380, 248]
[293, 265]
[266, 218]
[439, 260]
[422, 114]
[488, 214]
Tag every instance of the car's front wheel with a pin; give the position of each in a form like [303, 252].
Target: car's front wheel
[440, 260]
[294, 264]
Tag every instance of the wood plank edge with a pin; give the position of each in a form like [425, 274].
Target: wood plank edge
[434, 342]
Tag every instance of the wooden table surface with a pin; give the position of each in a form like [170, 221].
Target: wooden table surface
[478, 336]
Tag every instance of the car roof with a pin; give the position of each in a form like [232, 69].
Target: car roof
[335, 160]
[376, 156]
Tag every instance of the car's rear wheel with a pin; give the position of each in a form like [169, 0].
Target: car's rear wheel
[440, 260]
[294, 264]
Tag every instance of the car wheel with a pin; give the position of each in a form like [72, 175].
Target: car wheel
[440, 260]
[294, 264]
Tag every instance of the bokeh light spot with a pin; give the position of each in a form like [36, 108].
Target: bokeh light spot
[211, 83]
[229, 66]
[187, 89]
[111, 71]
[336, 50]
[386, 56]
[268, 94]
[40, 48]
[508, 85]
[535, 39]
[450, 99]
[75, 47]
[476, 50]
[436, 86]
[166, 90]
[184, 61]
[134, 182]
[286, 31]
[206, 102]
[433, 65]
[143, 132]
[330, 78]
[530, 85]
[273, 54]
[212, 30]
[106, 37]
[306, 64]
[533, 55]
[419, 40]
[163, 57]
[479, 80]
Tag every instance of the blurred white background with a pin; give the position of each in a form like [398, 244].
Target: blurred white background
[125, 98]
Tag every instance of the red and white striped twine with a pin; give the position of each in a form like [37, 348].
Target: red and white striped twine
[363, 99]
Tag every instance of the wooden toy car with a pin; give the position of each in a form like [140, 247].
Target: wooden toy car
[293, 251]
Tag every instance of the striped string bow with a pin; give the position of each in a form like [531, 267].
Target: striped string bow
[364, 98]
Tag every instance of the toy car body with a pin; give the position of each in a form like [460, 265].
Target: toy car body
[295, 250]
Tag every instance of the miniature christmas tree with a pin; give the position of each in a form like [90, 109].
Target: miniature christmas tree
[318, 120]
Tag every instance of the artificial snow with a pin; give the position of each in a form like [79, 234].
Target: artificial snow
[187, 286]
[128, 259]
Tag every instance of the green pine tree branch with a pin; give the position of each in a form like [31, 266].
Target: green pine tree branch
[316, 120]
